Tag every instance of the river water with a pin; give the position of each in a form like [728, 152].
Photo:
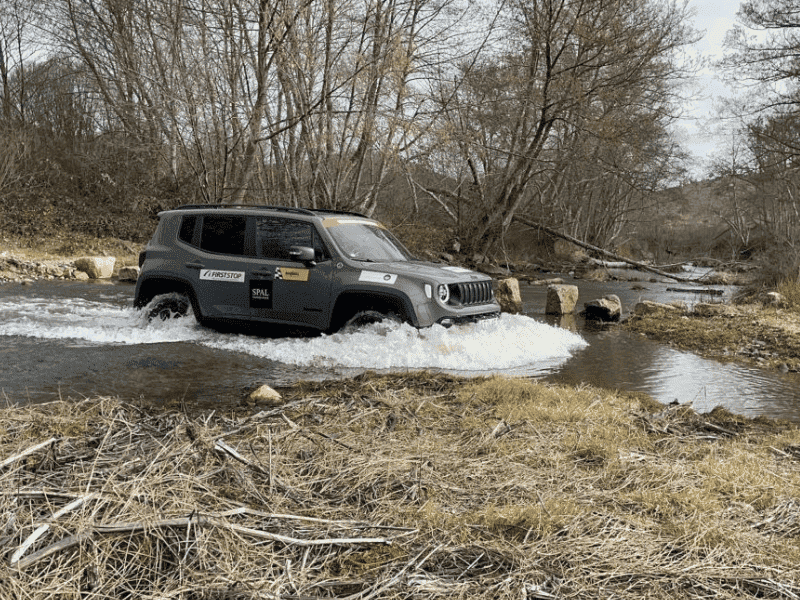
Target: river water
[76, 339]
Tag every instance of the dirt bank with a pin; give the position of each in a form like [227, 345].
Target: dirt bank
[752, 333]
[52, 257]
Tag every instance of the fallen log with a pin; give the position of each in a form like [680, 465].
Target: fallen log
[616, 257]
[707, 291]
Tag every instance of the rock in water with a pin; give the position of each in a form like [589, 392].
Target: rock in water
[128, 273]
[608, 308]
[508, 295]
[561, 299]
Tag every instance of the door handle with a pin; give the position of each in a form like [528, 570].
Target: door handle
[194, 265]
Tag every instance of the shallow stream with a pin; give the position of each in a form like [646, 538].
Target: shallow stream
[74, 339]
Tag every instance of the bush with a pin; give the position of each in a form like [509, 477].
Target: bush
[790, 290]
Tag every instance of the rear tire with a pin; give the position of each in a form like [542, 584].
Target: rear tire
[169, 306]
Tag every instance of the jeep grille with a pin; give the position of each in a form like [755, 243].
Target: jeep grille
[474, 292]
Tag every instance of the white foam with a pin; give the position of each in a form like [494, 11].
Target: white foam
[512, 342]
[90, 321]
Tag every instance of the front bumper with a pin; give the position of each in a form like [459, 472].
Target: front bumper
[449, 321]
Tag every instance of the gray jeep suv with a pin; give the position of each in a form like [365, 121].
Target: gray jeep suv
[318, 269]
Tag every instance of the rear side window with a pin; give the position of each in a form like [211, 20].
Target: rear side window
[223, 234]
[275, 236]
[186, 232]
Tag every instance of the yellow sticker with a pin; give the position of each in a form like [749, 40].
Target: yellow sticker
[294, 274]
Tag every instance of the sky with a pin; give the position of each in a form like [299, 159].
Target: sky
[696, 131]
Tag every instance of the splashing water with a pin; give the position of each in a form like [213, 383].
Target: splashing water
[510, 343]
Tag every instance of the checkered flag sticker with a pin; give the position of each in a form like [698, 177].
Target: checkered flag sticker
[278, 274]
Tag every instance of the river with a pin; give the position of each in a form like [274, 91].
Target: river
[76, 339]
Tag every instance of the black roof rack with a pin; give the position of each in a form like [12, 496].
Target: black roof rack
[301, 211]
[293, 209]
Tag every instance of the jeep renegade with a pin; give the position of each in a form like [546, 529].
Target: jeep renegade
[319, 269]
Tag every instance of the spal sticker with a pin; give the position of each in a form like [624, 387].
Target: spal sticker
[227, 276]
[377, 277]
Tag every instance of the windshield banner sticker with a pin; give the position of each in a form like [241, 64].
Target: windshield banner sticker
[228, 276]
[377, 277]
[290, 274]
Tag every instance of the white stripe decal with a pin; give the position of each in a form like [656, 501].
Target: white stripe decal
[377, 277]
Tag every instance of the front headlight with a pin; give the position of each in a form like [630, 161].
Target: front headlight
[443, 293]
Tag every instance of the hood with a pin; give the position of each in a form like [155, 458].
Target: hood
[427, 270]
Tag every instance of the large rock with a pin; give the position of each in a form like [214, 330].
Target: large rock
[561, 299]
[96, 267]
[508, 295]
[608, 308]
[128, 273]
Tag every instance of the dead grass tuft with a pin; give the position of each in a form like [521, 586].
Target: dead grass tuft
[398, 486]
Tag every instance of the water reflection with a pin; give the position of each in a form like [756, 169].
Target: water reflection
[615, 359]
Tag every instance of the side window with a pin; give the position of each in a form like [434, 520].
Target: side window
[186, 232]
[275, 236]
[223, 234]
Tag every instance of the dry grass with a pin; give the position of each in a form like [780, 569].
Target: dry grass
[790, 289]
[753, 334]
[399, 487]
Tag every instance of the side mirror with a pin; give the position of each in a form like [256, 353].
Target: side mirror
[304, 254]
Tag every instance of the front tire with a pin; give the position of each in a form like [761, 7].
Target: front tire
[368, 317]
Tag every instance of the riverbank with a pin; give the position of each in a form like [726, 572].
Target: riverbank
[28, 259]
[398, 486]
[767, 336]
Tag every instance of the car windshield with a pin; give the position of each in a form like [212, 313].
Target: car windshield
[369, 242]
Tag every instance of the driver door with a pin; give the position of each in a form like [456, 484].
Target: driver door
[283, 289]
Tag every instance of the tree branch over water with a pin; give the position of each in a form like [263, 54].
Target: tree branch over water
[601, 251]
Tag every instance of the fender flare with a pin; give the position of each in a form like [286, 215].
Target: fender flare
[164, 284]
[381, 296]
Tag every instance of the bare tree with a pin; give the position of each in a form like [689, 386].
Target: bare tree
[765, 55]
[573, 69]
[307, 100]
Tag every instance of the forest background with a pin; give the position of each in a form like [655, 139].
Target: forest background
[454, 120]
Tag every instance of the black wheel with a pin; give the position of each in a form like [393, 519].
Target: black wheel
[168, 306]
[368, 317]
